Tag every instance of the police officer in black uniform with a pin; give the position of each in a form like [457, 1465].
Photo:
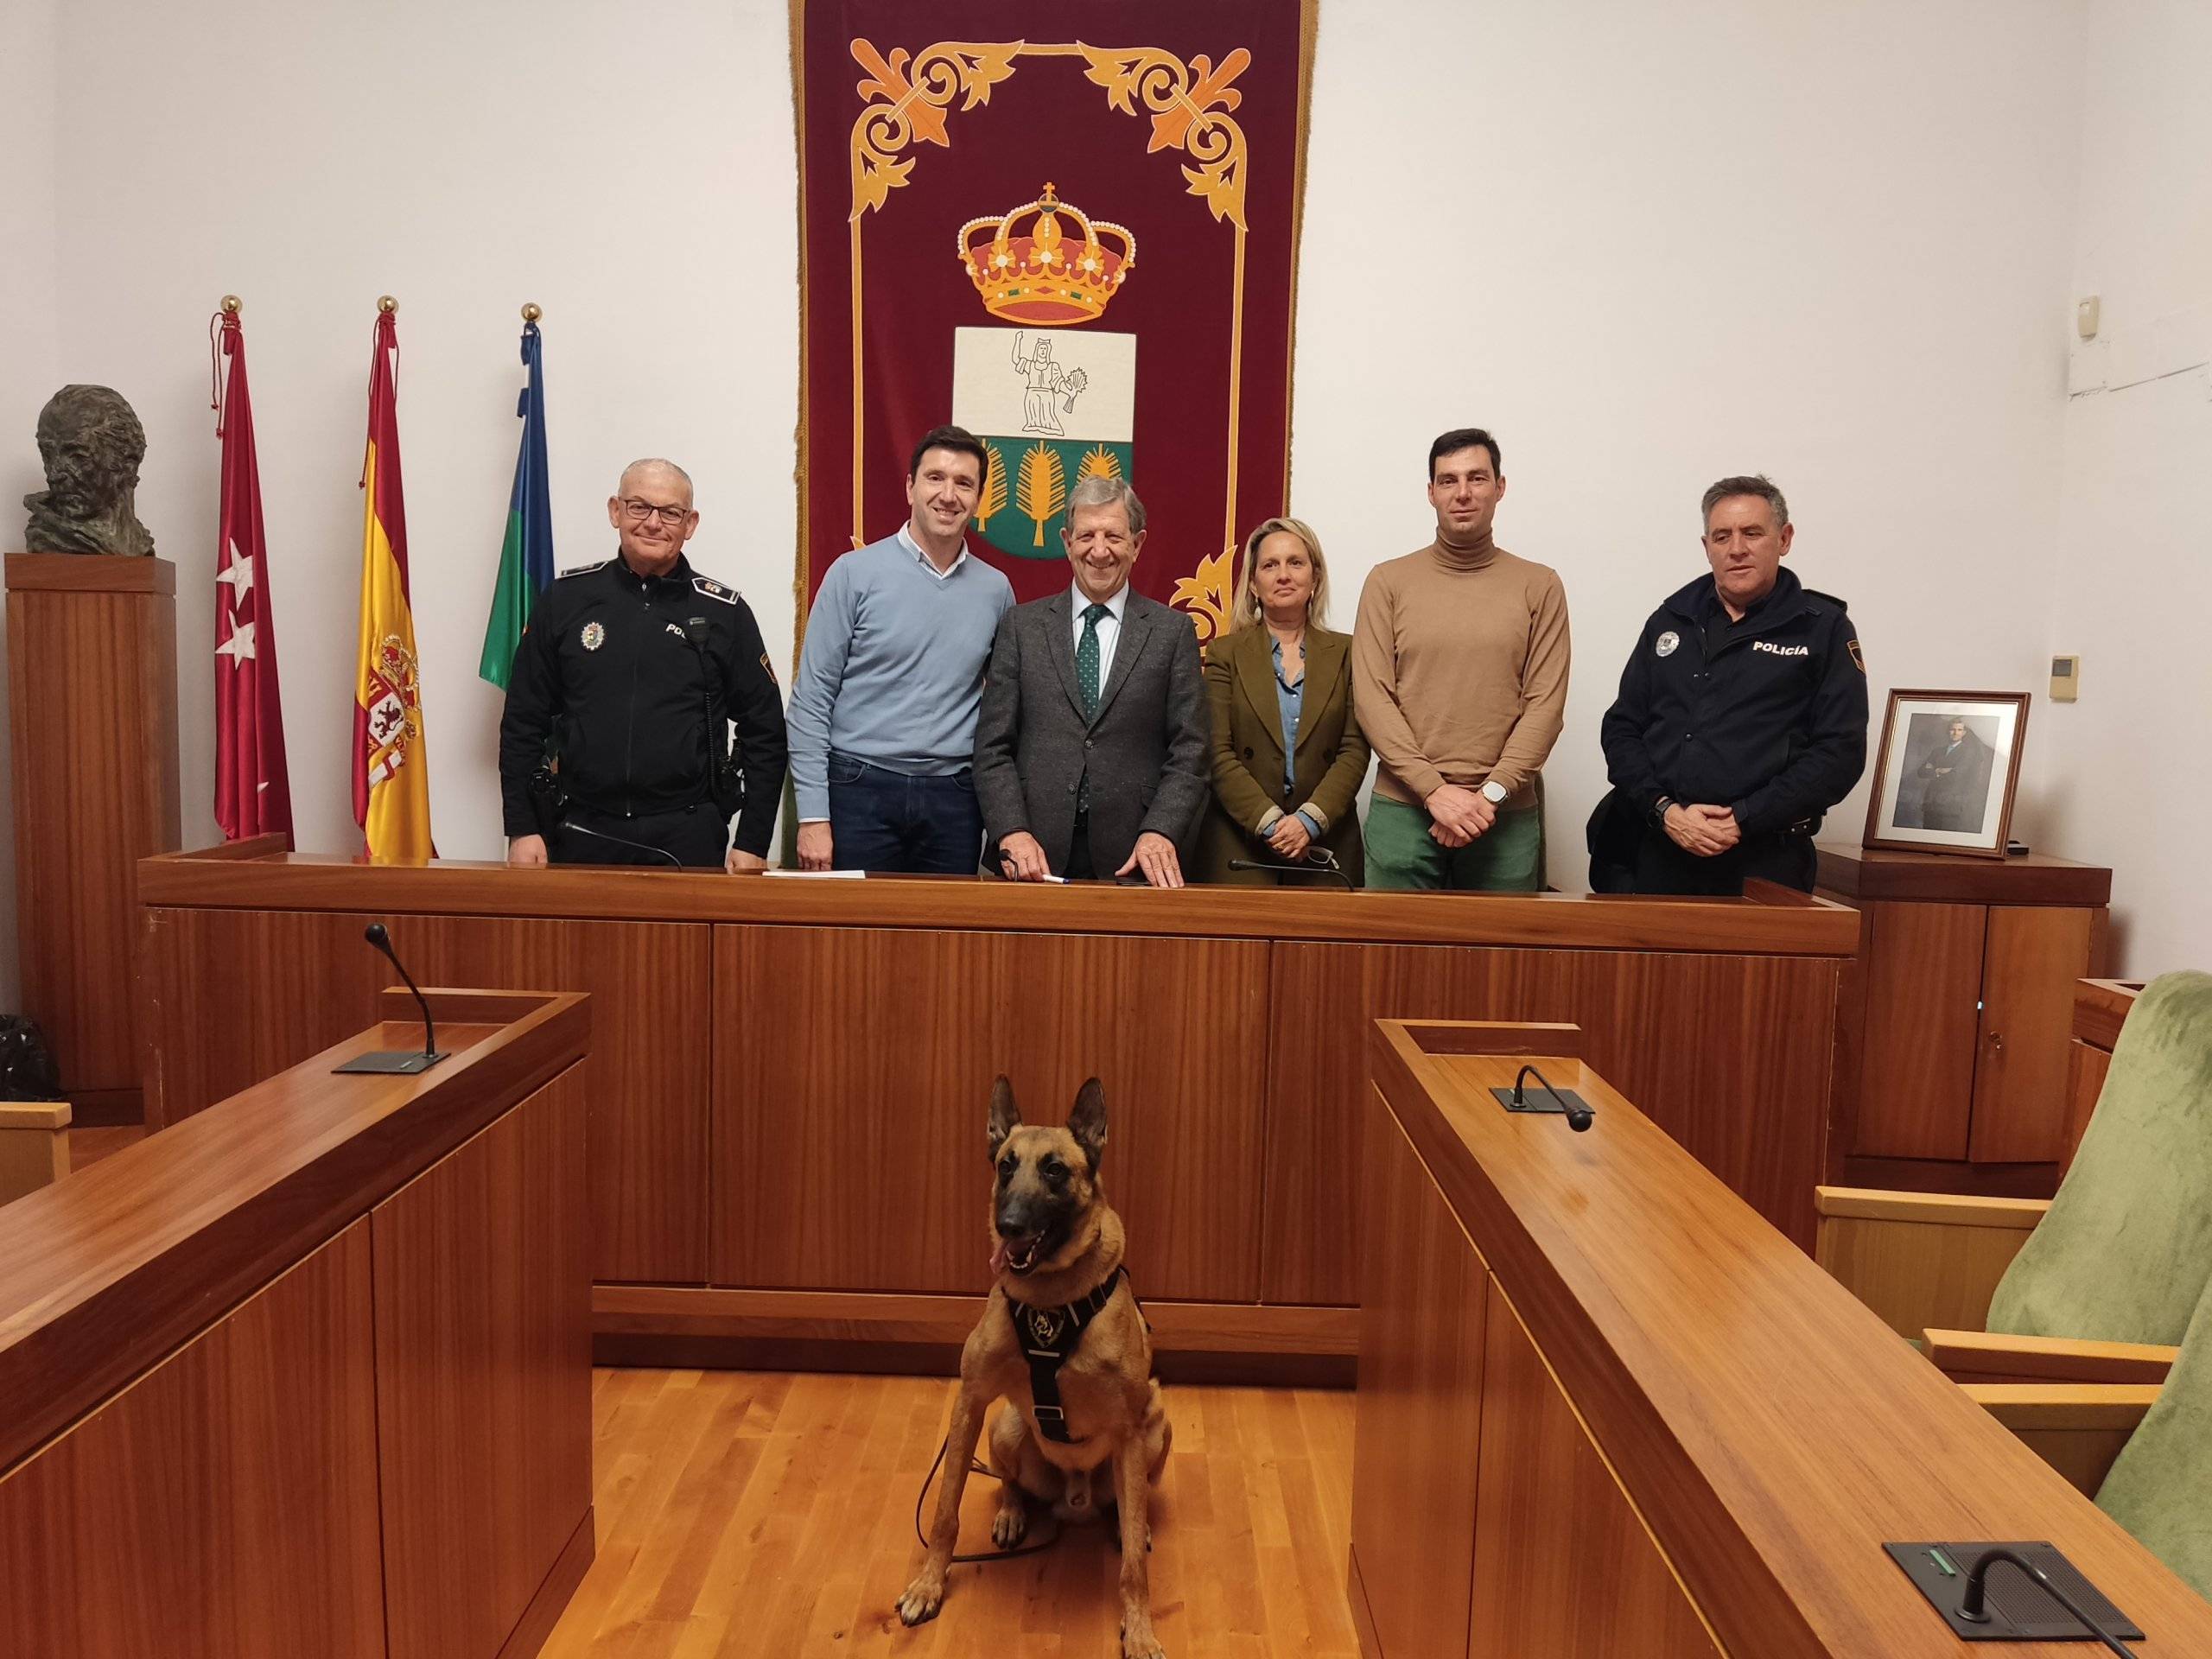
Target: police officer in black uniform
[633, 670]
[1741, 718]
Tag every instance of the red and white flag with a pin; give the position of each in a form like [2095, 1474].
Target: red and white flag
[253, 791]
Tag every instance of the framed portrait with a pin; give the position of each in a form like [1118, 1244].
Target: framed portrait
[1948, 763]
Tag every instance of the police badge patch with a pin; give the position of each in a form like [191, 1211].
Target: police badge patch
[1665, 643]
[592, 636]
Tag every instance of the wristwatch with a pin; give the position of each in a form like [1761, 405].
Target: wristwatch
[1495, 793]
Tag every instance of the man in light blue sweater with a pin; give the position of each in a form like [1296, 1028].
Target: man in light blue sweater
[882, 720]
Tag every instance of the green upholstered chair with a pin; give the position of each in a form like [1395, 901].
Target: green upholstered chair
[2125, 1250]
[2111, 1268]
[2160, 1487]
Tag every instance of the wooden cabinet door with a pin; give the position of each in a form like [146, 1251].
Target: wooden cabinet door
[1923, 965]
[2032, 956]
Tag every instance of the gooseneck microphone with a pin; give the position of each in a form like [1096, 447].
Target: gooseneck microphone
[1972, 1602]
[389, 1060]
[1579, 1112]
[1328, 869]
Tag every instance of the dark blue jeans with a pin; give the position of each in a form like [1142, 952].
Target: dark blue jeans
[885, 820]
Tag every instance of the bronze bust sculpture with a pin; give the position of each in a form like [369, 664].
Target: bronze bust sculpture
[91, 443]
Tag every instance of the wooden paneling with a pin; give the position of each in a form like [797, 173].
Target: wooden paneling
[103, 1274]
[2100, 1007]
[1770, 1431]
[483, 1354]
[853, 1071]
[1730, 1054]
[1916, 1274]
[1553, 920]
[225, 1506]
[91, 682]
[871, 1316]
[2086, 1070]
[1924, 981]
[238, 995]
[2033, 957]
[34, 1146]
[2079, 1432]
[1420, 1404]
[1564, 1568]
[1864, 875]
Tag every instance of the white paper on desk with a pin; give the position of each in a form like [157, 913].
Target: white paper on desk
[823, 876]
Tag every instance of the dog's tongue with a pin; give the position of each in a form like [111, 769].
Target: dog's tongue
[998, 1258]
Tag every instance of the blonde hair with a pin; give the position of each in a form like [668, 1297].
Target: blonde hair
[1247, 612]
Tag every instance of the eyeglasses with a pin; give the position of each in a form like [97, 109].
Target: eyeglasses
[642, 511]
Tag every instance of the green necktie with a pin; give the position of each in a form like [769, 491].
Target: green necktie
[1086, 659]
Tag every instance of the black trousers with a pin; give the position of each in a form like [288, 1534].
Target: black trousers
[690, 837]
[1783, 856]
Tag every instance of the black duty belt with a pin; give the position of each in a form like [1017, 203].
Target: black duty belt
[1048, 1336]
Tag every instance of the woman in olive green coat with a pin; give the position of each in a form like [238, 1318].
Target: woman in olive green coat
[1289, 758]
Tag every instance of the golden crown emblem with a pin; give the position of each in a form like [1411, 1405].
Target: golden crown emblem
[1047, 277]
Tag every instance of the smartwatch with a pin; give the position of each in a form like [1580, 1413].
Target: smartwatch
[1494, 792]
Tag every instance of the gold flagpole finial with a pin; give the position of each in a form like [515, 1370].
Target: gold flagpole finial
[232, 305]
[531, 314]
[387, 303]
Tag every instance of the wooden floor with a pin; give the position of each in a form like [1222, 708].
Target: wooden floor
[773, 1514]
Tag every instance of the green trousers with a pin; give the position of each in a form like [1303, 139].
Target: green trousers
[1401, 853]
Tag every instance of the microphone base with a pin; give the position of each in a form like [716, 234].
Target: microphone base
[401, 1062]
[2018, 1608]
[1554, 1101]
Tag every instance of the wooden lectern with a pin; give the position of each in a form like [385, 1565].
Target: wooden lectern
[1607, 1411]
[310, 1375]
[91, 691]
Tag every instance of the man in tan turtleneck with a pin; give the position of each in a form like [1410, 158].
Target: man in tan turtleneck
[1458, 669]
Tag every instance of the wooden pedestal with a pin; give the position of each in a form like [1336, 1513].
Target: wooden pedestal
[92, 688]
[1953, 1037]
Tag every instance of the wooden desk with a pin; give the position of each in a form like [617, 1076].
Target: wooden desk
[1953, 1058]
[1605, 1410]
[789, 1088]
[311, 1372]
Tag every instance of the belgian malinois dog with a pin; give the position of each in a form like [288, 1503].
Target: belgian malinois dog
[1057, 1253]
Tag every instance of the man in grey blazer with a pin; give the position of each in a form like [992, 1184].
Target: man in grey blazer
[1090, 749]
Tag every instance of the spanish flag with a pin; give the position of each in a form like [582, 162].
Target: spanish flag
[391, 779]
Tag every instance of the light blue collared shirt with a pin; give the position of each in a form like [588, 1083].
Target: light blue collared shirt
[1289, 701]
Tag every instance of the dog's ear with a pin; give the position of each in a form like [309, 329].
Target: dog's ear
[1087, 1122]
[1005, 1117]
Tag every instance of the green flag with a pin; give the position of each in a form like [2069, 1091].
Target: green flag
[526, 555]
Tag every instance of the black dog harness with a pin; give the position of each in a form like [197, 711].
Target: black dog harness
[1048, 1336]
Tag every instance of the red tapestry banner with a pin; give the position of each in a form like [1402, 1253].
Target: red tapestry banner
[1083, 251]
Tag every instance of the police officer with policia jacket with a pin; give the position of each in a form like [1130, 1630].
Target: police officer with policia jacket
[1741, 718]
[634, 669]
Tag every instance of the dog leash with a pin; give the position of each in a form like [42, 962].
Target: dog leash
[978, 1467]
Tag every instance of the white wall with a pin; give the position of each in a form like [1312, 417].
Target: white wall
[628, 168]
[2124, 770]
[1652, 245]
[28, 354]
[1648, 246]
